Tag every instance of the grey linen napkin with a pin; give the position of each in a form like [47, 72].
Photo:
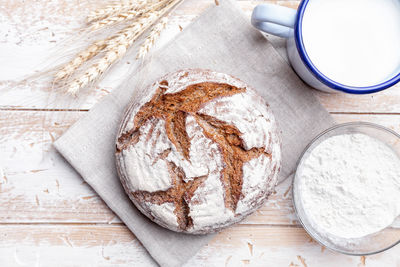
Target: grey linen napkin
[223, 40]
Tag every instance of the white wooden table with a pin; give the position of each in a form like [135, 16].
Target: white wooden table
[50, 217]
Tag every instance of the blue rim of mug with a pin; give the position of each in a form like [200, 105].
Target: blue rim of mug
[319, 75]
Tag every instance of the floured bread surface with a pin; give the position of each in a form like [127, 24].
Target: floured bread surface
[199, 152]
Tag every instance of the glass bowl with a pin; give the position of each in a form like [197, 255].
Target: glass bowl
[371, 244]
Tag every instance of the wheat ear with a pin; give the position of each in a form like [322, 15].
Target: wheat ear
[151, 39]
[123, 16]
[89, 52]
[119, 7]
[128, 15]
[116, 48]
[115, 8]
[82, 57]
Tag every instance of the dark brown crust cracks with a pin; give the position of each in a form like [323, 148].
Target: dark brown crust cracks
[179, 194]
[234, 155]
[173, 108]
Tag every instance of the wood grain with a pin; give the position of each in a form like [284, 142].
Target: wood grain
[114, 245]
[70, 245]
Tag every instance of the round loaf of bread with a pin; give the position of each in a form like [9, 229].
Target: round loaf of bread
[199, 152]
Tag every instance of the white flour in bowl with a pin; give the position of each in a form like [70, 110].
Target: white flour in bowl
[349, 185]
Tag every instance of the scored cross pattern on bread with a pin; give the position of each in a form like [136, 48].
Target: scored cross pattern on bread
[174, 108]
[180, 194]
[198, 153]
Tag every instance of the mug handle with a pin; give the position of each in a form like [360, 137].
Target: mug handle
[274, 19]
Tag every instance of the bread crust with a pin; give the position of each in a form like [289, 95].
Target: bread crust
[193, 139]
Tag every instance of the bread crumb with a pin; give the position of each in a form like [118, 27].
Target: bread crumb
[287, 191]
[250, 248]
[88, 197]
[302, 260]
[52, 137]
[107, 258]
[36, 171]
[66, 240]
[227, 260]
[362, 261]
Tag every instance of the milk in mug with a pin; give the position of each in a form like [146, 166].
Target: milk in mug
[352, 46]
[353, 42]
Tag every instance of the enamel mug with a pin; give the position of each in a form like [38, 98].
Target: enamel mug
[287, 23]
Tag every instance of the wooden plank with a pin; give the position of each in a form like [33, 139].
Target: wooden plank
[24, 56]
[37, 185]
[280, 246]
[387, 101]
[105, 245]
[69, 245]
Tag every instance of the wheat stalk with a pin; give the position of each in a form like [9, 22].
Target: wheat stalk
[123, 16]
[116, 48]
[126, 15]
[115, 8]
[82, 57]
[92, 50]
[151, 39]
